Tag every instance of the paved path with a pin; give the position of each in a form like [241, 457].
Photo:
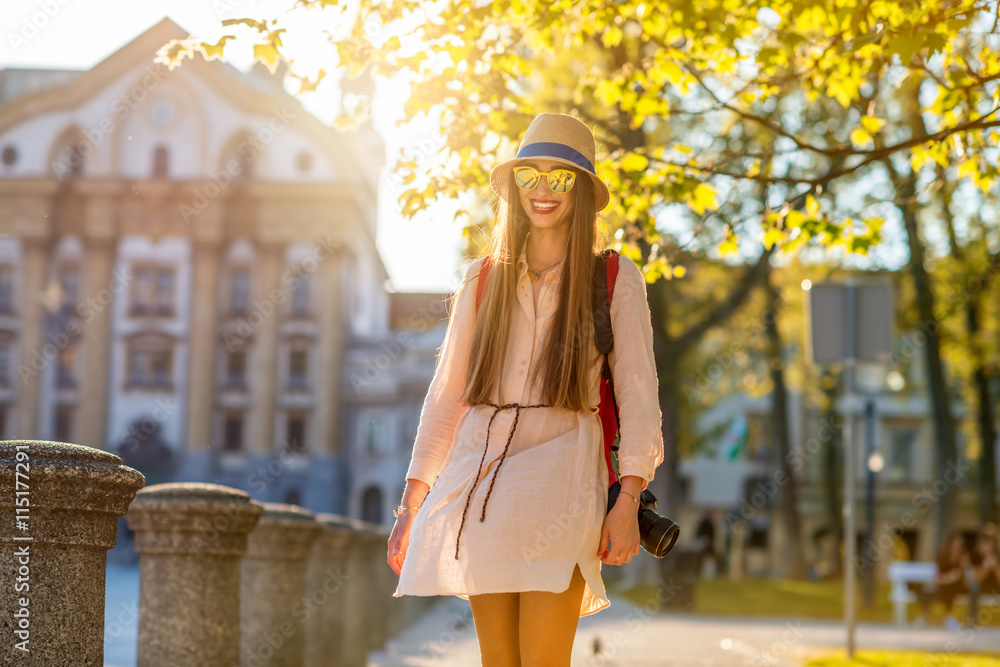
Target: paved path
[629, 636]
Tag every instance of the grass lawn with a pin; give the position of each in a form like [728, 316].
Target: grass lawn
[784, 598]
[902, 659]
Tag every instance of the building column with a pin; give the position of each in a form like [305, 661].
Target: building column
[33, 358]
[95, 385]
[323, 488]
[196, 463]
[265, 350]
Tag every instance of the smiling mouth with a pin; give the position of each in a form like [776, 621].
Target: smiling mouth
[540, 206]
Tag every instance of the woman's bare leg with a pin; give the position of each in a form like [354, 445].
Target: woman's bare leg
[495, 616]
[547, 624]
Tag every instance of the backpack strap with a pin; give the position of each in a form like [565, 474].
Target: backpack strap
[606, 273]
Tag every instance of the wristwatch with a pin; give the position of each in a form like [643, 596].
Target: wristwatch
[399, 510]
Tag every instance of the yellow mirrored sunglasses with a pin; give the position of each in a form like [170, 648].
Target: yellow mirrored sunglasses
[560, 180]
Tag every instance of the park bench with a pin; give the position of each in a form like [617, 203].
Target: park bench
[903, 573]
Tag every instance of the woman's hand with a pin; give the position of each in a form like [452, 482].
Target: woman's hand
[621, 526]
[399, 540]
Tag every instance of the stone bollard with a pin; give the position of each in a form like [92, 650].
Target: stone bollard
[272, 587]
[372, 546]
[328, 570]
[357, 622]
[383, 584]
[190, 537]
[59, 509]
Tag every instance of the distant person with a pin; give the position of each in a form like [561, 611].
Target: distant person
[985, 571]
[952, 562]
[705, 536]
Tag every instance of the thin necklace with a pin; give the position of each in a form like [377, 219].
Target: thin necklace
[535, 274]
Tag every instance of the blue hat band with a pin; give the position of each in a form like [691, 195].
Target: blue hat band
[552, 149]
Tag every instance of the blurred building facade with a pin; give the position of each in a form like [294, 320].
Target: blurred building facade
[736, 477]
[189, 278]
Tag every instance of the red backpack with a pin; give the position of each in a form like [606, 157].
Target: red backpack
[605, 272]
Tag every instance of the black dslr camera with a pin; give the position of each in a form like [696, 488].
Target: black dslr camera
[657, 534]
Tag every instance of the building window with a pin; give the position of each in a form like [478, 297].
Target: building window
[142, 292]
[69, 285]
[236, 366]
[6, 289]
[153, 288]
[70, 158]
[233, 433]
[63, 423]
[9, 155]
[300, 295]
[161, 162]
[66, 368]
[165, 292]
[298, 361]
[304, 161]
[150, 362]
[4, 364]
[377, 438]
[295, 432]
[240, 292]
[371, 505]
[899, 467]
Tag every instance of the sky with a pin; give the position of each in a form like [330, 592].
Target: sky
[420, 254]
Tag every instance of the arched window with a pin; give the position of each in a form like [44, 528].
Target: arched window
[161, 162]
[371, 505]
[70, 153]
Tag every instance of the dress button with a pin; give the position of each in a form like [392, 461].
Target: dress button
[521, 373]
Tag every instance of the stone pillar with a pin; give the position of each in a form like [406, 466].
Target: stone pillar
[58, 556]
[265, 350]
[328, 571]
[322, 490]
[272, 587]
[190, 537]
[101, 285]
[29, 391]
[382, 584]
[201, 369]
[357, 624]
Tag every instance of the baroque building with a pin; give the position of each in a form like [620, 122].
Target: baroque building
[189, 278]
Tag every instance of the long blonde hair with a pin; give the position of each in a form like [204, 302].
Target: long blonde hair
[569, 351]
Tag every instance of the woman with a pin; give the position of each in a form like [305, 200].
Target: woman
[532, 567]
[952, 562]
[985, 578]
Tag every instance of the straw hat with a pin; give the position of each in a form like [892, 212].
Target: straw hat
[560, 138]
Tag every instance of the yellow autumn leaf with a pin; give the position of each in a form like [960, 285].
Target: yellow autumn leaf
[773, 236]
[859, 137]
[634, 162]
[729, 247]
[702, 198]
[679, 271]
[812, 206]
[214, 51]
[267, 54]
[872, 124]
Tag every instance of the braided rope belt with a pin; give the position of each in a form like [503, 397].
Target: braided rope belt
[496, 409]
